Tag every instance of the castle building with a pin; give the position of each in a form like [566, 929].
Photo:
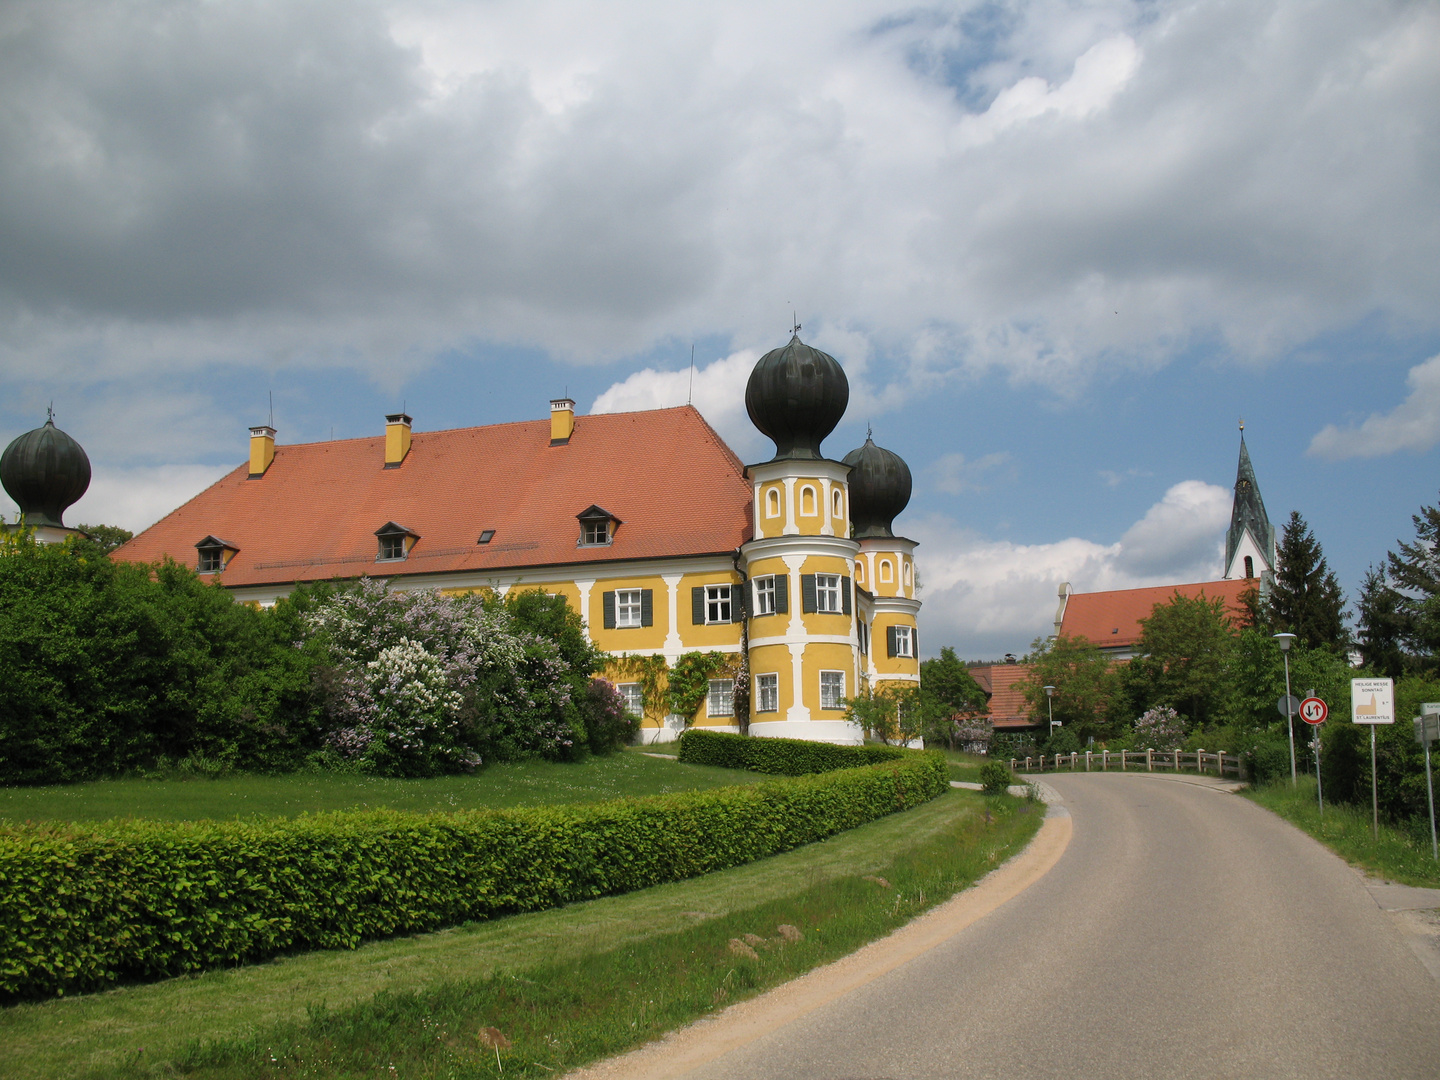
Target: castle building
[648, 524]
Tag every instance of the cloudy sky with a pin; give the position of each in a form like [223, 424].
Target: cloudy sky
[1060, 246]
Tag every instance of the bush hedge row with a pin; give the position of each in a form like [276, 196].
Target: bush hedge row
[778, 757]
[83, 908]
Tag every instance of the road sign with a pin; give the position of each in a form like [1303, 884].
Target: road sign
[1313, 710]
[1288, 705]
[1427, 728]
[1372, 701]
[1430, 708]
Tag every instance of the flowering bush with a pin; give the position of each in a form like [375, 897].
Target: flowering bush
[607, 722]
[1160, 729]
[419, 683]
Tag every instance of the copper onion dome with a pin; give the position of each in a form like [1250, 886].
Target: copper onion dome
[879, 489]
[45, 471]
[796, 396]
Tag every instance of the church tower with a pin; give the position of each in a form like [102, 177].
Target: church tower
[1250, 543]
[803, 614]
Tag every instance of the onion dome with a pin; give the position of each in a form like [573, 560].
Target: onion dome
[45, 471]
[796, 395]
[879, 489]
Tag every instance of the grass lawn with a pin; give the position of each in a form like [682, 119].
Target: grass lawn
[566, 985]
[529, 783]
[965, 766]
[1400, 855]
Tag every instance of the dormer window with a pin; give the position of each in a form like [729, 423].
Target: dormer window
[597, 526]
[395, 542]
[214, 555]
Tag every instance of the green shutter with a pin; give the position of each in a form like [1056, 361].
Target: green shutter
[807, 594]
[697, 605]
[739, 602]
[890, 641]
[607, 601]
[782, 594]
[845, 595]
[647, 607]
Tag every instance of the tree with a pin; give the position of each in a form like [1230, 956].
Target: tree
[1086, 686]
[1379, 626]
[1184, 648]
[1414, 573]
[105, 537]
[1306, 599]
[953, 704]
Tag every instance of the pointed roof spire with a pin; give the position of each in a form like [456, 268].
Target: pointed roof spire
[1248, 511]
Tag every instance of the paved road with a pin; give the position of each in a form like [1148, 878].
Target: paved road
[1184, 933]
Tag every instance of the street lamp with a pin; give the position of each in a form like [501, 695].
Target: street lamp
[1050, 705]
[1286, 640]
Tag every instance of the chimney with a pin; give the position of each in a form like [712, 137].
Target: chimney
[262, 450]
[397, 439]
[562, 421]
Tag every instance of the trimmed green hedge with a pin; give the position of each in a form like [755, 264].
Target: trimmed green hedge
[82, 908]
[778, 757]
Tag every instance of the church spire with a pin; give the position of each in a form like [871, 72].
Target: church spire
[1250, 543]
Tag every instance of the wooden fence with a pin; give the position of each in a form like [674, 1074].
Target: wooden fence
[1217, 763]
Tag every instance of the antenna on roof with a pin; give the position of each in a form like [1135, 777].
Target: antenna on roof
[272, 409]
[690, 394]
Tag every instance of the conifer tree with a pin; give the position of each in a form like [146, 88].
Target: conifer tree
[1378, 625]
[1306, 599]
[1414, 574]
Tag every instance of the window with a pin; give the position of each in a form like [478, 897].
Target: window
[1249, 567]
[597, 526]
[901, 640]
[212, 560]
[772, 503]
[634, 698]
[765, 596]
[907, 572]
[595, 532]
[721, 701]
[717, 604]
[837, 504]
[832, 689]
[628, 604]
[767, 693]
[862, 633]
[887, 572]
[827, 592]
[859, 571]
[392, 547]
[486, 536]
[807, 501]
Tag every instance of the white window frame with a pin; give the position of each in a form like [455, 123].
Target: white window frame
[627, 608]
[719, 603]
[904, 642]
[765, 595]
[634, 696]
[720, 700]
[827, 594]
[767, 692]
[835, 683]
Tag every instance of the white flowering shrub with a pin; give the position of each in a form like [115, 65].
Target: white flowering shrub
[419, 683]
[1160, 729]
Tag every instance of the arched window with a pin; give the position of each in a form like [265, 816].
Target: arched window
[807, 501]
[1249, 567]
[859, 572]
[772, 503]
[907, 573]
[887, 572]
[837, 504]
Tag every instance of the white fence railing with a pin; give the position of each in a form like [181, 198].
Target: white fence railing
[1217, 763]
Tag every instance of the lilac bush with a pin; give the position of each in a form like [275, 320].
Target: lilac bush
[419, 683]
[1160, 729]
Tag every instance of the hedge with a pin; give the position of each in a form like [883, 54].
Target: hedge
[83, 908]
[778, 757]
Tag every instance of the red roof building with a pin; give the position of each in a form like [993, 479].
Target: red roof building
[1008, 708]
[1111, 620]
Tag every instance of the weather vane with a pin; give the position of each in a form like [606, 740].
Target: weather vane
[795, 318]
[50, 413]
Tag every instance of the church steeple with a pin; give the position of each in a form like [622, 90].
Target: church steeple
[1250, 543]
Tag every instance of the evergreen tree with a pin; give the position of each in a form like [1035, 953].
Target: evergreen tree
[1414, 574]
[1306, 599]
[1379, 625]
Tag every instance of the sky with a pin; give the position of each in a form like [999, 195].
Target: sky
[1061, 248]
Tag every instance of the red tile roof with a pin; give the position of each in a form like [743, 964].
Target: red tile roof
[666, 474]
[1112, 619]
[1008, 707]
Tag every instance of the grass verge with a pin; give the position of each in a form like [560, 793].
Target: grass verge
[1401, 854]
[615, 972]
[529, 783]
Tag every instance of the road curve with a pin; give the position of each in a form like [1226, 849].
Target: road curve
[1184, 932]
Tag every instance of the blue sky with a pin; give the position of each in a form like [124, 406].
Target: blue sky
[1060, 247]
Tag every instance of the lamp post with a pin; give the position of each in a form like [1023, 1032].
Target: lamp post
[1286, 640]
[1050, 706]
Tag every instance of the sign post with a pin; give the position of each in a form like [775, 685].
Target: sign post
[1314, 711]
[1372, 701]
[1427, 730]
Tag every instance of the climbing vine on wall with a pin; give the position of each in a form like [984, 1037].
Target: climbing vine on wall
[653, 675]
[691, 675]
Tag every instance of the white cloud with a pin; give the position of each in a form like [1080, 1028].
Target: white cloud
[135, 498]
[954, 475]
[988, 597]
[1412, 425]
[717, 389]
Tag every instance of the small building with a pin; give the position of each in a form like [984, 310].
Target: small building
[1007, 708]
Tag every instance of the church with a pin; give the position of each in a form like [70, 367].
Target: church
[646, 522]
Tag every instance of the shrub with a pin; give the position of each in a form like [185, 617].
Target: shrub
[1005, 745]
[607, 722]
[1160, 729]
[777, 757]
[1062, 740]
[994, 778]
[82, 908]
